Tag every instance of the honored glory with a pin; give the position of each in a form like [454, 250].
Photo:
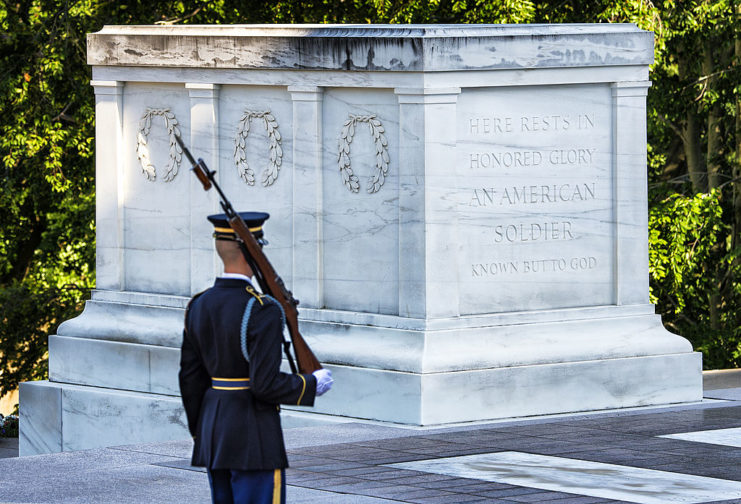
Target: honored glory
[520, 158]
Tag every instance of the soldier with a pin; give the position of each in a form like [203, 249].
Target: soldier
[230, 379]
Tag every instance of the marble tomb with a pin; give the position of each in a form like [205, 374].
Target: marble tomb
[462, 211]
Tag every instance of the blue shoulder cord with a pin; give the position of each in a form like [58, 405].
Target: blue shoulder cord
[246, 321]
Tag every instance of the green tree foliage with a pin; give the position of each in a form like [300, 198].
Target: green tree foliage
[47, 189]
[689, 247]
[46, 147]
[695, 181]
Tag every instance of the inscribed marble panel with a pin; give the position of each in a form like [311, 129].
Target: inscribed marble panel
[535, 195]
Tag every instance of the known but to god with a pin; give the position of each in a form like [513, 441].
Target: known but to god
[525, 266]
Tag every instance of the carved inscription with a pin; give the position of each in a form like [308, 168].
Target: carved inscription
[494, 125]
[533, 266]
[532, 194]
[537, 231]
[526, 165]
[510, 159]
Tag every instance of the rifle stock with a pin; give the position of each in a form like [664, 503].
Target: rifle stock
[270, 282]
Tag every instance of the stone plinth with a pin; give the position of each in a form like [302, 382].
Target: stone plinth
[462, 211]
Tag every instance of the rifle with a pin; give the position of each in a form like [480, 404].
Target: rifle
[270, 282]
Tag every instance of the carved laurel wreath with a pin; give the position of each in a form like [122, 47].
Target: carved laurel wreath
[246, 172]
[142, 151]
[377, 130]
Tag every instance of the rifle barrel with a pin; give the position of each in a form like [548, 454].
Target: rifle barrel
[185, 150]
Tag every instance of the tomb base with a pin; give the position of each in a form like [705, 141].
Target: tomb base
[113, 370]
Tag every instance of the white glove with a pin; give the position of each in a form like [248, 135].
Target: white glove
[324, 380]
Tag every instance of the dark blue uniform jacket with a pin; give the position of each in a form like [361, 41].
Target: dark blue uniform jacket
[237, 429]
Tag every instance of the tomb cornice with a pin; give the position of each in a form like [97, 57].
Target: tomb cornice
[377, 48]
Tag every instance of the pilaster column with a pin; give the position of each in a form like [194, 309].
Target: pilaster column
[204, 143]
[630, 191]
[109, 195]
[428, 244]
[307, 270]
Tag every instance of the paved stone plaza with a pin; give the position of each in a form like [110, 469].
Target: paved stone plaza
[687, 454]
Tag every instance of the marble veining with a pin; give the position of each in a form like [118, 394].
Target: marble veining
[595, 479]
[93, 417]
[40, 419]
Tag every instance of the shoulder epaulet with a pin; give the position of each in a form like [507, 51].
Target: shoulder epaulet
[250, 290]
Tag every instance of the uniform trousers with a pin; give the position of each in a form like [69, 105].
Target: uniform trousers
[230, 486]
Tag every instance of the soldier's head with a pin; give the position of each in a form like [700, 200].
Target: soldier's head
[228, 244]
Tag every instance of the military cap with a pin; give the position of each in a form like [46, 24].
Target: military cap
[254, 221]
